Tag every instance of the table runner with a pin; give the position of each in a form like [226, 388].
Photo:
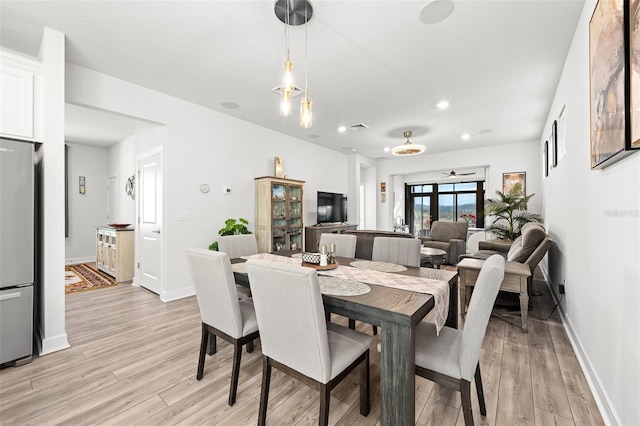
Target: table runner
[378, 266]
[438, 289]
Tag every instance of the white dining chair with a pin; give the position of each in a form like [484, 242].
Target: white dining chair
[345, 244]
[451, 358]
[403, 251]
[237, 246]
[222, 313]
[297, 340]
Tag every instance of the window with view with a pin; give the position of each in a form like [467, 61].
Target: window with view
[449, 202]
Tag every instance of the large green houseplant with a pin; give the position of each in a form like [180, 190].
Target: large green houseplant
[231, 227]
[510, 213]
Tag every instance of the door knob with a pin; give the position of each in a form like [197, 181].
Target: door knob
[157, 231]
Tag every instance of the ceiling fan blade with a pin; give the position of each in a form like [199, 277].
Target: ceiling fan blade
[466, 174]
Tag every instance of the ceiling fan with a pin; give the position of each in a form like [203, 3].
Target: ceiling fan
[453, 174]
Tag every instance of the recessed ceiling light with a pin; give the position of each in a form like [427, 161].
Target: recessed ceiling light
[387, 149]
[436, 11]
[230, 105]
[342, 129]
[465, 136]
[443, 104]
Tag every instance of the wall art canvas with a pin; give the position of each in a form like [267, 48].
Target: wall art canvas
[510, 179]
[634, 92]
[607, 82]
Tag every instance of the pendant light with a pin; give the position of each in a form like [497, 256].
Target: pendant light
[293, 12]
[408, 148]
[306, 113]
[287, 79]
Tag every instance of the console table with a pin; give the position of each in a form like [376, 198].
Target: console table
[312, 234]
[515, 281]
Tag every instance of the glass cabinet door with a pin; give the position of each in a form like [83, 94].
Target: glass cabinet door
[295, 217]
[279, 217]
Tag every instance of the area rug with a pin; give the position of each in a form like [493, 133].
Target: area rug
[82, 277]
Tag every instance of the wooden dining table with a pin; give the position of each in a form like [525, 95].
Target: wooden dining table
[397, 312]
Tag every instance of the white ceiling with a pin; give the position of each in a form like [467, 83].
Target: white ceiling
[97, 128]
[496, 62]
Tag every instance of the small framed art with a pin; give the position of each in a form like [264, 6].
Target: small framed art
[509, 180]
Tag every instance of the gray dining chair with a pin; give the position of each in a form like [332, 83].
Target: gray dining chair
[403, 251]
[237, 246]
[345, 244]
[451, 358]
[297, 340]
[222, 313]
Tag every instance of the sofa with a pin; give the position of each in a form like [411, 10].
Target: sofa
[450, 237]
[529, 248]
[364, 242]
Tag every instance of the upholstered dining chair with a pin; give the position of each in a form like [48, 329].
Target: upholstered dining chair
[222, 313]
[452, 358]
[345, 244]
[297, 340]
[238, 246]
[403, 251]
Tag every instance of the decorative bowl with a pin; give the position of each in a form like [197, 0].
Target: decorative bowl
[119, 225]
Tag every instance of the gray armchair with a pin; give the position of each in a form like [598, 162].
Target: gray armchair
[450, 237]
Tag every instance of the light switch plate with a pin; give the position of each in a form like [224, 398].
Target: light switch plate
[182, 216]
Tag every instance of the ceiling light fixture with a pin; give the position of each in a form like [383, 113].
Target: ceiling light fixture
[408, 148]
[293, 12]
[443, 104]
[306, 114]
[342, 129]
[465, 136]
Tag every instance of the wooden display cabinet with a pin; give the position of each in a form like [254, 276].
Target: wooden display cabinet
[114, 252]
[279, 213]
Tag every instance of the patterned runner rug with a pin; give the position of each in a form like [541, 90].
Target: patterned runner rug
[82, 277]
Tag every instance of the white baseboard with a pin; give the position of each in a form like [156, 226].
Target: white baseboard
[54, 344]
[77, 260]
[607, 411]
[177, 294]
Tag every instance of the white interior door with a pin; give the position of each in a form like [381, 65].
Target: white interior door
[113, 200]
[150, 221]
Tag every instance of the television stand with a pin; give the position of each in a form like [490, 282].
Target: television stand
[312, 233]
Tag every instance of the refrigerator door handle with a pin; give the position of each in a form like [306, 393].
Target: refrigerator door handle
[9, 296]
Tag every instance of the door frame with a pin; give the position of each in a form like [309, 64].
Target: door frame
[137, 237]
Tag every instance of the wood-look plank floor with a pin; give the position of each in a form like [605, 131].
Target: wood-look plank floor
[133, 361]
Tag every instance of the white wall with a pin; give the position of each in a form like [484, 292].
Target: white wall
[517, 157]
[53, 330]
[205, 146]
[594, 219]
[122, 164]
[88, 210]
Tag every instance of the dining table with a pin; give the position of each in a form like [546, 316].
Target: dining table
[397, 312]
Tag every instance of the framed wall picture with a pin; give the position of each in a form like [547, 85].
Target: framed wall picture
[607, 68]
[277, 167]
[634, 72]
[509, 180]
[554, 142]
[545, 158]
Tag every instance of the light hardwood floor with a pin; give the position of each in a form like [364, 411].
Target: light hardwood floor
[133, 361]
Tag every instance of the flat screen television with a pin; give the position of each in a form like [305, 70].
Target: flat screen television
[332, 207]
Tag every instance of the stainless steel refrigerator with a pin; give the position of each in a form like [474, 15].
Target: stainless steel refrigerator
[16, 250]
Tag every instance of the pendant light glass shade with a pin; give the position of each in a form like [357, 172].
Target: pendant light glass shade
[306, 113]
[285, 104]
[287, 80]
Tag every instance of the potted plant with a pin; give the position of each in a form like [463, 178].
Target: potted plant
[510, 213]
[231, 227]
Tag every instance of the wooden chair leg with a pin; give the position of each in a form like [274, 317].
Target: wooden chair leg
[264, 392]
[235, 372]
[211, 348]
[250, 346]
[465, 393]
[479, 390]
[325, 398]
[365, 405]
[203, 351]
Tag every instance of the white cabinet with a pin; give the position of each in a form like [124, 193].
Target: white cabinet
[114, 252]
[19, 83]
